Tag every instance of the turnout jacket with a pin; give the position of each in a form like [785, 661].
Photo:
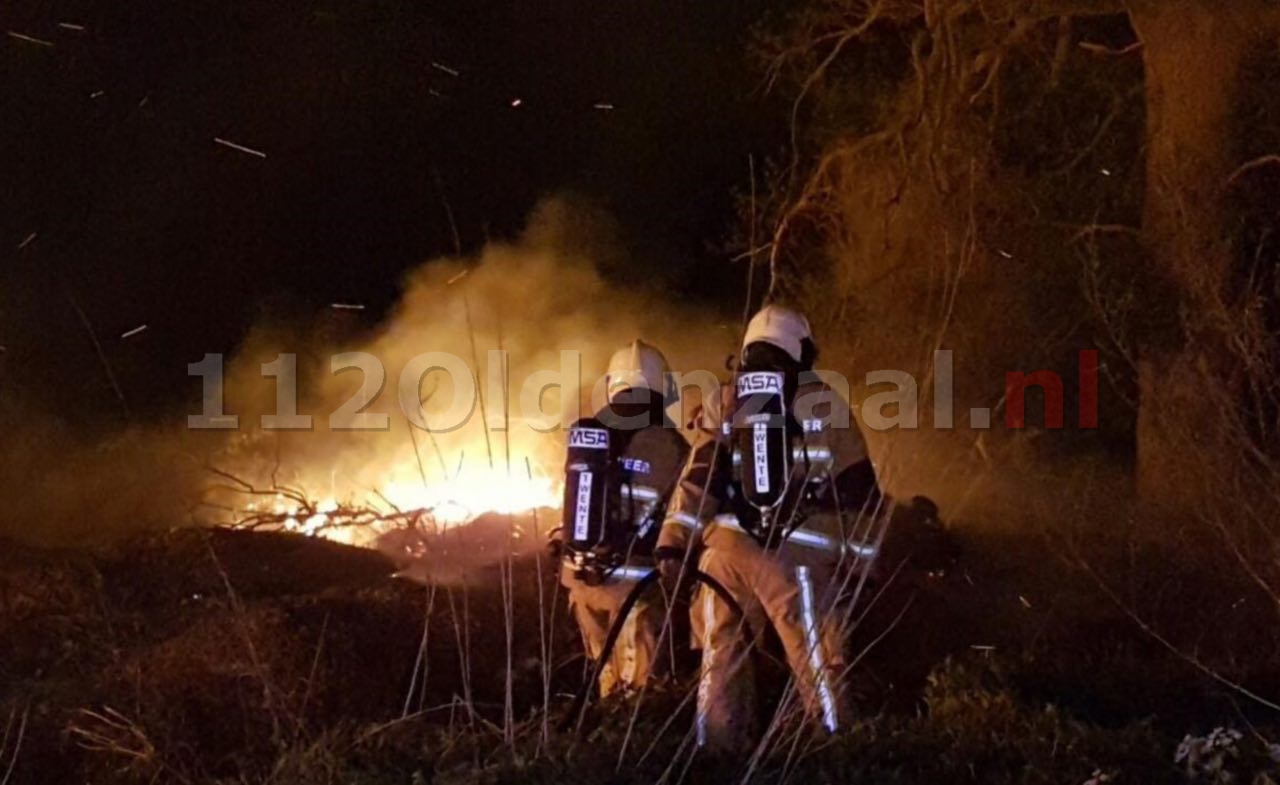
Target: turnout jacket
[829, 460]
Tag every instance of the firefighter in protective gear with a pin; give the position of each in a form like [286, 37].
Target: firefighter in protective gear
[647, 452]
[789, 564]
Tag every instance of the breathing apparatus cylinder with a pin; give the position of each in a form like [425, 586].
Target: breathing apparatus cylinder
[590, 499]
[761, 440]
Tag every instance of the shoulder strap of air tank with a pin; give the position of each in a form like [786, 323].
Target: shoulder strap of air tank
[659, 510]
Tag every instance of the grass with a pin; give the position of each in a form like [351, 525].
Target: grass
[231, 657]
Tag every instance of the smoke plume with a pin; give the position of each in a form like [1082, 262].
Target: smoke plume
[552, 289]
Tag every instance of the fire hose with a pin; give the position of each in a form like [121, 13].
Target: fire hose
[578, 709]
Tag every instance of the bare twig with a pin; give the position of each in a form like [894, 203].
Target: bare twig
[17, 745]
[1103, 49]
[239, 147]
[102, 355]
[242, 623]
[1190, 659]
[315, 667]
[30, 39]
[1085, 231]
[421, 663]
[1257, 163]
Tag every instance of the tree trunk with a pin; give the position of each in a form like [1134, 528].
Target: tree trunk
[1193, 54]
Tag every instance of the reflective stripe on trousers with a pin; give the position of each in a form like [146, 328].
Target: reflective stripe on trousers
[817, 658]
[708, 652]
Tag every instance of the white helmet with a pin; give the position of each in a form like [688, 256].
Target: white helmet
[782, 327]
[637, 366]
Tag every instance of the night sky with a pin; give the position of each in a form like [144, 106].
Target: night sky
[108, 157]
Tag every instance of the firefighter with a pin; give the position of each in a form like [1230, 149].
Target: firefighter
[781, 498]
[622, 466]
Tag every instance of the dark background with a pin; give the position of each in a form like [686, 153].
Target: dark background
[140, 217]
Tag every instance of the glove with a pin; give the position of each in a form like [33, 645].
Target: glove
[670, 566]
[555, 548]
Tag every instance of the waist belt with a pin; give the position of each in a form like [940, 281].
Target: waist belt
[628, 573]
[625, 572]
[805, 537]
[642, 493]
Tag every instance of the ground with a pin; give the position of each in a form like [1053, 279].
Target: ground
[210, 656]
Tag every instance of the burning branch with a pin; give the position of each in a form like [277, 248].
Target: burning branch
[290, 509]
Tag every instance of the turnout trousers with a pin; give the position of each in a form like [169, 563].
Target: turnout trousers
[792, 587]
[595, 609]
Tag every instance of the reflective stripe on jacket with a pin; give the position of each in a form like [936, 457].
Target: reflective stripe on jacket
[831, 443]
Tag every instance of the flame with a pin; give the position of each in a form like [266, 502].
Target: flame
[404, 498]
[473, 494]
